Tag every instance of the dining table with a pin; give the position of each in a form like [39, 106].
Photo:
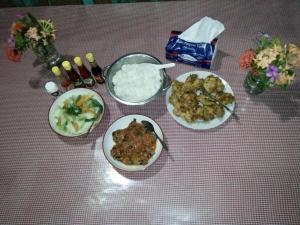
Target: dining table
[245, 171]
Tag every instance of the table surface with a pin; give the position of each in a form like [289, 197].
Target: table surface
[238, 173]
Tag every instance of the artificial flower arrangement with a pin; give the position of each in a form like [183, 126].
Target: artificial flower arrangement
[28, 32]
[272, 62]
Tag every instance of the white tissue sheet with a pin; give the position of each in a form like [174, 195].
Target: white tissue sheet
[205, 30]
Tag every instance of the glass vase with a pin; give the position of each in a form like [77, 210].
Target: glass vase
[47, 54]
[253, 84]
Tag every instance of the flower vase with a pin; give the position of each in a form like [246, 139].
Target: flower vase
[253, 84]
[47, 54]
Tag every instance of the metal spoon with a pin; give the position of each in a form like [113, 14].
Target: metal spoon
[220, 103]
[150, 128]
[90, 128]
[159, 66]
[92, 125]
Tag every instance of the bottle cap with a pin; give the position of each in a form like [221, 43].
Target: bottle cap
[66, 65]
[56, 71]
[89, 56]
[78, 61]
[51, 87]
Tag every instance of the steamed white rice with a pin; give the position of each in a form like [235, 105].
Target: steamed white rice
[136, 82]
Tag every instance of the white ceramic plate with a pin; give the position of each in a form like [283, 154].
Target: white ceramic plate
[122, 123]
[200, 124]
[60, 101]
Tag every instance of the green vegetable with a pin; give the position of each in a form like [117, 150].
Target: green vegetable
[77, 99]
[80, 110]
[73, 110]
[89, 120]
[95, 103]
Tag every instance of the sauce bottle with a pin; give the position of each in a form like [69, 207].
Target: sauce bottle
[74, 76]
[96, 70]
[65, 82]
[85, 74]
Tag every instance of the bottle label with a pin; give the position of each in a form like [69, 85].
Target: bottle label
[78, 83]
[89, 81]
[99, 79]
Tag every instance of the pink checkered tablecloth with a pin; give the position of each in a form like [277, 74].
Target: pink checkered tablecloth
[239, 173]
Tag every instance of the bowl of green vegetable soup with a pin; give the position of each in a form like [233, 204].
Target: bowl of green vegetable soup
[76, 112]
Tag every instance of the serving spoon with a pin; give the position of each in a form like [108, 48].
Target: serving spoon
[96, 118]
[150, 128]
[159, 66]
[206, 93]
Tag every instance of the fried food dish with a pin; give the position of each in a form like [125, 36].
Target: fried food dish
[192, 99]
[135, 145]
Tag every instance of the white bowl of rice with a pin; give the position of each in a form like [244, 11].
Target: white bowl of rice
[132, 83]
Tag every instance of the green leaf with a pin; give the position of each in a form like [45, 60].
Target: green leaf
[95, 103]
[89, 120]
[33, 19]
[73, 110]
[77, 99]
[276, 41]
[284, 86]
[264, 43]
[20, 42]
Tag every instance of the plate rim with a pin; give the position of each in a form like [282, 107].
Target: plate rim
[67, 93]
[158, 151]
[185, 124]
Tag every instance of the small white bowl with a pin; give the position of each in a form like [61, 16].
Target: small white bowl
[60, 101]
[122, 123]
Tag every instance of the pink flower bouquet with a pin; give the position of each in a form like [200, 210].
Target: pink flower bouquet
[28, 32]
[272, 62]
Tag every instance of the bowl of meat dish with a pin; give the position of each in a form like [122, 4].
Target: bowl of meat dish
[196, 100]
[129, 146]
[76, 112]
[131, 83]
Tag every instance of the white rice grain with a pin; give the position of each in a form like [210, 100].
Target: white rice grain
[136, 82]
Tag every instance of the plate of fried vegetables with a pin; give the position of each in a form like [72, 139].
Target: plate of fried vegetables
[76, 112]
[196, 100]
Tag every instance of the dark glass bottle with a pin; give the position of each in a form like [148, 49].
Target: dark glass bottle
[96, 69]
[74, 76]
[85, 74]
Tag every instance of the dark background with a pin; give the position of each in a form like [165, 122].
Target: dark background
[22, 3]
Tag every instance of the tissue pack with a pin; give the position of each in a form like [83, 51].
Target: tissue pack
[197, 54]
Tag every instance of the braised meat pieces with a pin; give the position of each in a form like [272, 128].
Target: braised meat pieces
[135, 145]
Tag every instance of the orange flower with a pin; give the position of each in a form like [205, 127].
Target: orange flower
[246, 59]
[16, 27]
[12, 54]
